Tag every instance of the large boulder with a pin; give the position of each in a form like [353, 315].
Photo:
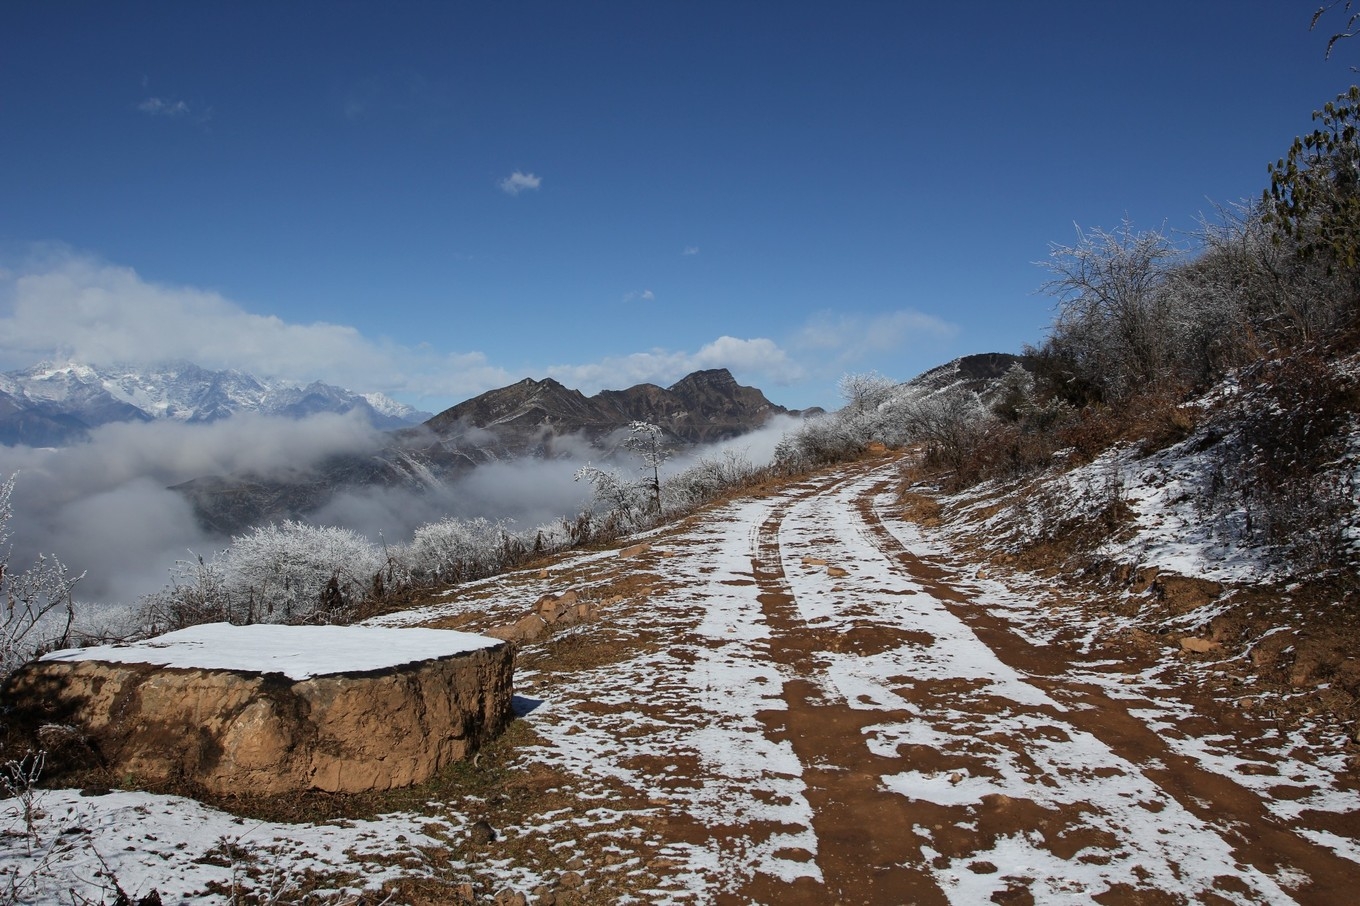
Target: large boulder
[271, 709]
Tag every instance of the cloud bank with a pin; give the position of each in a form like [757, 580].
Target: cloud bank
[105, 508]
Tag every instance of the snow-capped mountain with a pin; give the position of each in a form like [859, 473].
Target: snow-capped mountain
[52, 405]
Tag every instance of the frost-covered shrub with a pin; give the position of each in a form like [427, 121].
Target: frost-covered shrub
[552, 536]
[817, 442]
[298, 572]
[709, 478]
[870, 414]
[455, 550]
[279, 573]
[1284, 459]
[38, 610]
[197, 593]
[950, 424]
[620, 505]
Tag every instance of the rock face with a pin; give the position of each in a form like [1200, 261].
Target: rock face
[526, 417]
[551, 611]
[255, 731]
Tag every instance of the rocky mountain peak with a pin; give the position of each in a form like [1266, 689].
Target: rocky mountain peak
[710, 378]
[524, 417]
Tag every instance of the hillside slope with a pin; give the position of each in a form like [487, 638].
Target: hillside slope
[815, 694]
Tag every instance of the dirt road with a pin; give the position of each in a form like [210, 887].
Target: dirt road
[802, 699]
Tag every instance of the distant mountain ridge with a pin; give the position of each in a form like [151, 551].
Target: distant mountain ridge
[55, 405]
[525, 417]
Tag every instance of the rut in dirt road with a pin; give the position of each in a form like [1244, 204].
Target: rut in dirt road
[946, 759]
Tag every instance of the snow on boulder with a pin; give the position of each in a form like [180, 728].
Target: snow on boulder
[271, 709]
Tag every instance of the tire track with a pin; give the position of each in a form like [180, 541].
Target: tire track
[863, 855]
[1240, 817]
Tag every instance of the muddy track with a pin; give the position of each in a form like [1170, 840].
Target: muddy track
[1242, 818]
[879, 840]
[861, 859]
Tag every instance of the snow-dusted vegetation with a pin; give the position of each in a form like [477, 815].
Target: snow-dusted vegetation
[38, 601]
[1237, 344]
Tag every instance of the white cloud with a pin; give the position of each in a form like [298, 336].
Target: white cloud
[690, 250]
[847, 338]
[518, 182]
[74, 307]
[645, 296]
[759, 357]
[90, 311]
[455, 376]
[154, 106]
[68, 306]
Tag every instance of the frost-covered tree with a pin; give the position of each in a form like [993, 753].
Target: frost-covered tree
[648, 441]
[1113, 335]
[39, 609]
[627, 503]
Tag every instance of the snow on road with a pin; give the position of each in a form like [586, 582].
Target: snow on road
[799, 703]
[999, 735]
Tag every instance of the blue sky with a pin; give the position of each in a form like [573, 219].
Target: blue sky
[434, 199]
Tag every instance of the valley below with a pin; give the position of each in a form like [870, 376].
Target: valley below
[802, 695]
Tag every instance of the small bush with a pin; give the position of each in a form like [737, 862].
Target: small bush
[288, 573]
